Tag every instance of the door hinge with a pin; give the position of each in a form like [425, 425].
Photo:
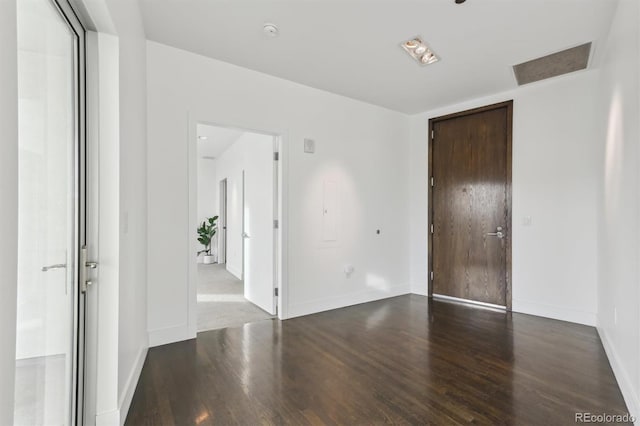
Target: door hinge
[275, 224]
[276, 156]
[432, 228]
[431, 275]
[275, 291]
[433, 134]
[433, 182]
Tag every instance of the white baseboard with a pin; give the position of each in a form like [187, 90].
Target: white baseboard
[164, 336]
[108, 418]
[132, 382]
[345, 300]
[631, 397]
[235, 271]
[554, 312]
[420, 290]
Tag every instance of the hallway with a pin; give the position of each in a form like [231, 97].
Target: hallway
[221, 301]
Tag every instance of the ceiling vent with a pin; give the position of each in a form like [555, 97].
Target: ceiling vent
[564, 62]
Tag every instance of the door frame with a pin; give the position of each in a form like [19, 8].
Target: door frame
[509, 228]
[222, 236]
[281, 197]
[243, 230]
[73, 20]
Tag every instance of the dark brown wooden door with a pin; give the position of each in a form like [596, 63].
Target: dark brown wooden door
[471, 167]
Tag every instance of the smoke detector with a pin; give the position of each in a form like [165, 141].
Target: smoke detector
[270, 30]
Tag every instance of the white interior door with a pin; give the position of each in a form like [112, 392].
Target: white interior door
[258, 226]
[48, 230]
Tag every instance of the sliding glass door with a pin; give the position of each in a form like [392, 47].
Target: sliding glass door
[51, 211]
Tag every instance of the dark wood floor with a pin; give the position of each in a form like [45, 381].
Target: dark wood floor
[405, 360]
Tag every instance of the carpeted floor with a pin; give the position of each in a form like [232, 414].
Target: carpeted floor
[221, 301]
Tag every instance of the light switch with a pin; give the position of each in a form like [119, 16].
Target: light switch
[348, 270]
[527, 221]
[124, 225]
[309, 146]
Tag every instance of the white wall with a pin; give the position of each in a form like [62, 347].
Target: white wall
[103, 298]
[230, 165]
[555, 155]
[207, 188]
[133, 341]
[9, 210]
[208, 198]
[123, 19]
[618, 210]
[360, 146]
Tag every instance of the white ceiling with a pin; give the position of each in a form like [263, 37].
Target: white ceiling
[218, 140]
[351, 47]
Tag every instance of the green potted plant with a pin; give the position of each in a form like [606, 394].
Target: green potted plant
[206, 232]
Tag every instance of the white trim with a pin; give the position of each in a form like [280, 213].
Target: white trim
[92, 214]
[419, 290]
[108, 418]
[625, 382]
[330, 303]
[130, 386]
[554, 312]
[173, 334]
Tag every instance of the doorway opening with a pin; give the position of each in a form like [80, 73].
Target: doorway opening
[470, 206]
[237, 211]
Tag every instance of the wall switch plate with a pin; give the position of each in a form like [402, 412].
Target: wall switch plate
[125, 223]
[309, 146]
[348, 270]
[527, 221]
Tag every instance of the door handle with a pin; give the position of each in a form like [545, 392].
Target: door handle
[56, 266]
[498, 233]
[245, 235]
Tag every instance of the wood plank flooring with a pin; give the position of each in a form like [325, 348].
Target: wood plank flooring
[405, 360]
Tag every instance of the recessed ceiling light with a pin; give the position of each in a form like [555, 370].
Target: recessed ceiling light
[203, 138]
[419, 51]
[270, 30]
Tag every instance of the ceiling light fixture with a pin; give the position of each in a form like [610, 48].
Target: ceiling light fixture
[270, 30]
[419, 51]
